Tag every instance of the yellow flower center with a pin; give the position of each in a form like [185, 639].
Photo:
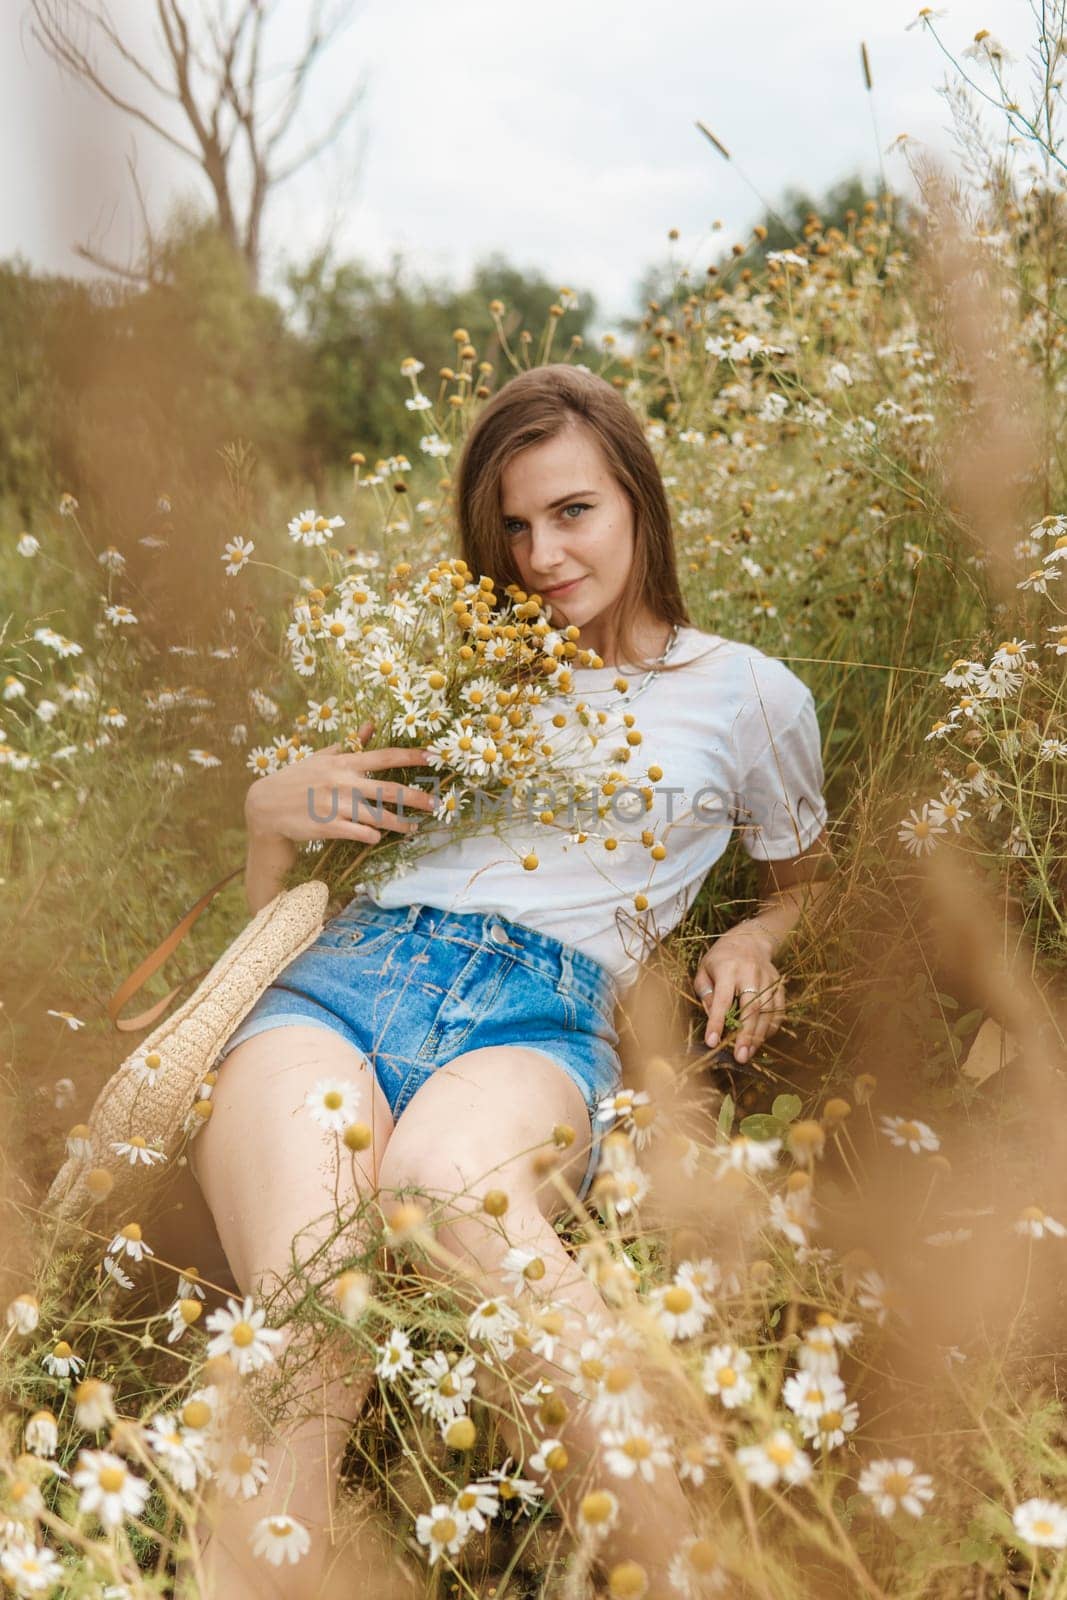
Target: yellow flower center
[726, 1377]
[243, 1334]
[333, 1100]
[909, 1130]
[703, 1556]
[240, 1463]
[111, 1479]
[63, 1350]
[781, 1452]
[831, 1420]
[444, 1529]
[897, 1484]
[637, 1447]
[1041, 1525]
[196, 1414]
[677, 1299]
[556, 1459]
[596, 1507]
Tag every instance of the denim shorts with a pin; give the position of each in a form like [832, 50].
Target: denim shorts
[413, 987]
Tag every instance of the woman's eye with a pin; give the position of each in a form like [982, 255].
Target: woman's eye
[577, 506]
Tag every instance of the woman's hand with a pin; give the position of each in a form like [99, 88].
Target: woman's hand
[739, 962]
[344, 788]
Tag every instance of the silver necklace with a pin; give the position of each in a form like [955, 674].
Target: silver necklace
[629, 695]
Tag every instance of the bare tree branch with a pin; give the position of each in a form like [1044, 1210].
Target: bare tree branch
[217, 81]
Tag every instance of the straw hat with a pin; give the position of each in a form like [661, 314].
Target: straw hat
[159, 1109]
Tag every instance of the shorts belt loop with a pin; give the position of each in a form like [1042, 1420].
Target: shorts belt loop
[566, 968]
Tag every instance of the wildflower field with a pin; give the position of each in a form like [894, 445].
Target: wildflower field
[833, 1284]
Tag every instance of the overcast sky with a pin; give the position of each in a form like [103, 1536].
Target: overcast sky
[560, 133]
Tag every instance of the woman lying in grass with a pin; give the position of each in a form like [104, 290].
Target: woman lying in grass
[460, 1018]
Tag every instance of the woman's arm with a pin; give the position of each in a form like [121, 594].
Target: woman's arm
[269, 858]
[740, 961]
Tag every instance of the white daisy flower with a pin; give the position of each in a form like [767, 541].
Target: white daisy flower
[181, 1452]
[27, 545]
[242, 1473]
[137, 1151]
[23, 1313]
[120, 616]
[494, 1322]
[598, 1513]
[1033, 1223]
[1042, 1523]
[419, 402]
[73, 1022]
[680, 1308]
[114, 1271]
[695, 1570]
[442, 1528]
[875, 1296]
[130, 1241]
[61, 1361]
[236, 553]
[695, 1459]
[550, 1456]
[919, 831]
[334, 1103]
[513, 1487]
[522, 1269]
[725, 1374]
[108, 1487]
[477, 1501]
[808, 1396]
[894, 1485]
[817, 1353]
[94, 1404]
[280, 1539]
[913, 1136]
[395, 1355]
[743, 1154]
[779, 1459]
[240, 1334]
[444, 1386]
[635, 1450]
[30, 1568]
[829, 1428]
[204, 758]
[620, 1400]
[42, 1434]
[309, 528]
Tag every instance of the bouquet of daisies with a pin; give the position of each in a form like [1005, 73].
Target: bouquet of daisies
[440, 661]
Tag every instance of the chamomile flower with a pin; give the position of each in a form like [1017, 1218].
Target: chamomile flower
[908, 1135]
[23, 1313]
[30, 1568]
[598, 1513]
[742, 1154]
[697, 1458]
[180, 1451]
[442, 1528]
[309, 528]
[120, 616]
[1042, 1523]
[61, 1361]
[108, 1487]
[778, 1459]
[808, 1396]
[493, 1322]
[27, 545]
[72, 1022]
[1033, 1223]
[444, 1385]
[242, 1473]
[395, 1356]
[920, 831]
[236, 554]
[680, 1308]
[522, 1269]
[636, 1450]
[725, 1375]
[550, 1456]
[137, 1151]
[477, 1501]
[696, 1571]
[334, 1103]
[130, 1241]
[240, 1334]
[42, 1434]
[895, 1485]
[279, 1539]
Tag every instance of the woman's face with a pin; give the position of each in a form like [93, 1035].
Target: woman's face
[571, 528]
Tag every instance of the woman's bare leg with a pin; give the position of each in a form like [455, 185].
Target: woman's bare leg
[466, 1131]
[271, 1177]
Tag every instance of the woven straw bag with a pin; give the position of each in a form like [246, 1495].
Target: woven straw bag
[161, 1112]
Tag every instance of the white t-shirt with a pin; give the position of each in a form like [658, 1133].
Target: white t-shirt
[736, 735]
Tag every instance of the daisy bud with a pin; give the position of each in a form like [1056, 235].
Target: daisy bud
[563, 1135]
[530, 863]
[357, 1136]
[640, 902]
[202, 1109]
[23, 1314]
[99, 1183]
[552, 1411]
[495, 1203]
[864, 1087]
[655, 773]
[461, 1434]
[352, 1292]
[627, 1581]
[597, 1508]
[534, 1270]
[189, 1311]
[835, 1111]
[806, 1141]
[405, 1218]
[196, 1414]
[93, 1404]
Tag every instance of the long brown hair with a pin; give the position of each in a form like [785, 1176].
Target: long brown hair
[536, 405]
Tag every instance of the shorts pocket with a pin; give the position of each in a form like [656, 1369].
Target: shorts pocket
[357, 932]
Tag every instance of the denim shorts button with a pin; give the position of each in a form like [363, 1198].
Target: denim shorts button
[497, 934]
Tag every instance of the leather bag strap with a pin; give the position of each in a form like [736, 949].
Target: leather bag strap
[153, 962]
